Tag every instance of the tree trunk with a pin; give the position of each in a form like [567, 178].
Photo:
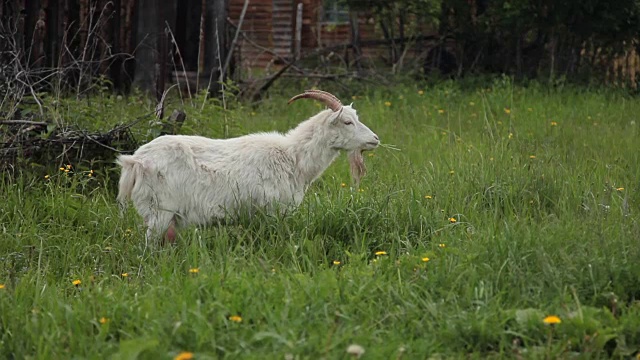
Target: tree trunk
[355, 38]
[216, 43]
[151, 17]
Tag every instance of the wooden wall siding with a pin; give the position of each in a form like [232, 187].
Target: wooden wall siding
[282, 27]
[271, 24]
[311, 10]
[257, 26]
[331, 34]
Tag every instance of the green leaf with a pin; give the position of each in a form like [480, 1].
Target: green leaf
[130, 350]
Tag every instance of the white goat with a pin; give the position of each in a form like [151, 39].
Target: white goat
[179, 180]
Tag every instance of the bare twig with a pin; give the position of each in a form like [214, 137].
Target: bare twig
[160, 106]
[201, 44]
[184, 70]
[235, 38]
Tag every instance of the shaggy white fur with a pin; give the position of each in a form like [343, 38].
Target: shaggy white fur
[179, 180]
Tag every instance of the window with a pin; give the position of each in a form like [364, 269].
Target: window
[335, 12]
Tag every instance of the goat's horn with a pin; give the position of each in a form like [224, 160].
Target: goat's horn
[329, 99]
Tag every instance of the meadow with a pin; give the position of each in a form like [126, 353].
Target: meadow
[502, 222]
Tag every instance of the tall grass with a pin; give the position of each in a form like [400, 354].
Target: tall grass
[503, 205]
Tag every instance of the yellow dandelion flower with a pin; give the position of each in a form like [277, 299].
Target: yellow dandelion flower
[235, 318]
[499, 122]
[107, 248]
[510, 135]
[66, 170]
[194, 270]
[343, 185]
[620, 189]
[185, 355]
[491, 159]
[442, 246]
[125, 274]
[360, 190]
[69, 167]
[452, 220]
[387, 103]
[507, 111]
[428, 197]
[336, 262]
[532, 156]
[61, 169]
[103, 320]
[553, 123]
[47, 177]
[353, 97]
[552, 319]
[420, 92]
[451, 172]
[76, 282]
[380, 253]
[425, 259]
[371, 154]
[440, 111]
[471, 103]
[2, 286]
[253, 113]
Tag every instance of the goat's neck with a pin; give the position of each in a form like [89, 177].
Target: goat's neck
[311, 149]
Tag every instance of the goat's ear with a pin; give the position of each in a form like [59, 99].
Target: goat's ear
[335, 118]
[351, 104]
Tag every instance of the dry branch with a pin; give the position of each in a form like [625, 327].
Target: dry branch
[45, 143]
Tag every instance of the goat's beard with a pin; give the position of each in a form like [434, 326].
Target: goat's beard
[356, 164]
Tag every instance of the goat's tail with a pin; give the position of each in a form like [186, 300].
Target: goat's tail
[131, 174]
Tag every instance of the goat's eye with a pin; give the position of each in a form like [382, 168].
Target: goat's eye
[348, 122]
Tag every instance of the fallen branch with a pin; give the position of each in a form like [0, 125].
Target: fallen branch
[255, 94]
[22, 122]
[45, 143]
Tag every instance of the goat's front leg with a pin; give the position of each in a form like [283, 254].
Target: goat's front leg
[171, 231]
[161, 228]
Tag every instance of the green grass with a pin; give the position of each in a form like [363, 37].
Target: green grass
[545, 200]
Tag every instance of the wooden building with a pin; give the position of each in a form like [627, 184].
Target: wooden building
[127, 41]
[270, 27]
